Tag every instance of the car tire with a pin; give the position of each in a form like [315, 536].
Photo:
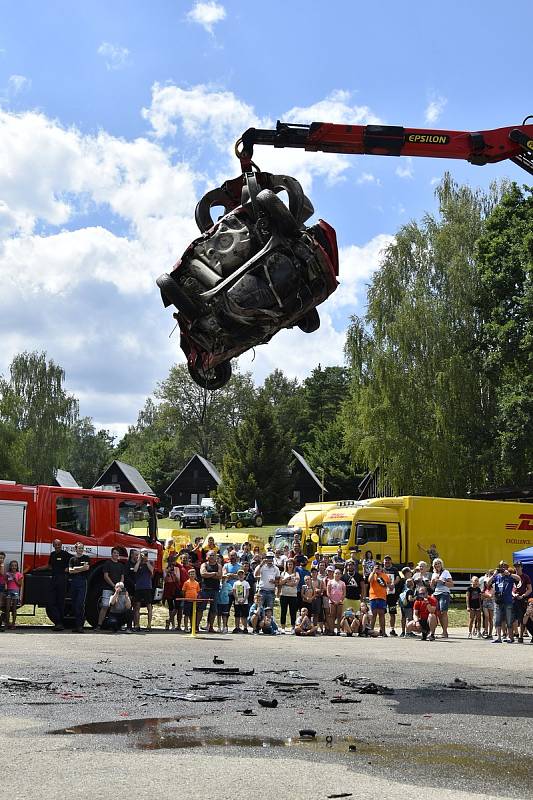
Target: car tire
[211, 379]
[277, 211]
[310, 322]
[173, 295]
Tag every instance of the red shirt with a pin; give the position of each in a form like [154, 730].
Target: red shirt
[423, 608]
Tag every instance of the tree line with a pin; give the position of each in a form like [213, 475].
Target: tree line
[435, 388]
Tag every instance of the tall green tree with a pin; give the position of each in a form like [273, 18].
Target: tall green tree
[41, 412]
[418, 398]
[89, 451]
[505, 305]
[256, 464]
[289, 404]
[330, 458]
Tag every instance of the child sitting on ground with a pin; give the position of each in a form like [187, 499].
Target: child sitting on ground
[365, 620]
[191, 590]
[256, 614]
[304, 626]
[349, 622]
[269, 625]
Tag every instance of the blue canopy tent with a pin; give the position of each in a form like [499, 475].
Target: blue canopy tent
[526, 557]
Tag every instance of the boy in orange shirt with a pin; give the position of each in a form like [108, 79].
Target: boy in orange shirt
[191, 589]
[378, 582]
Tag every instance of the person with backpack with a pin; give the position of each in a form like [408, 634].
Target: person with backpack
[503, 582]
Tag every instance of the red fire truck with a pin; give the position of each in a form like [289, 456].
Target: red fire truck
[31, 517]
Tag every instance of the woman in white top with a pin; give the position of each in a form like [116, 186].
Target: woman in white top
[442, 583]
[288, 592]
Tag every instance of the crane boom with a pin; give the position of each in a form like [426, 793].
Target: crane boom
[479, 147]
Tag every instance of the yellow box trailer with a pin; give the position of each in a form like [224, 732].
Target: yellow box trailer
[470, 536]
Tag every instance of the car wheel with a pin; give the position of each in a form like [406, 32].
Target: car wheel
[173, 295]
[278, 213]
[310, 322]
[211, 379]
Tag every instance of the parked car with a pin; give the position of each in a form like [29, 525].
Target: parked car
[192, 516]
[176, 512]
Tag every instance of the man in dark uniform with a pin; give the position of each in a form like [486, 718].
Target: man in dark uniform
[58, 563]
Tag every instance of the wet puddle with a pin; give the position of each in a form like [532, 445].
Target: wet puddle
[454, 760]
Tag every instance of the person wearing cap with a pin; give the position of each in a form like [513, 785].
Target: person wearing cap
[521, 593]
[268, 576]
[241, 593]
[503, 582]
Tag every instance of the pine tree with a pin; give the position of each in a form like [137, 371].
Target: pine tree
[256, 465]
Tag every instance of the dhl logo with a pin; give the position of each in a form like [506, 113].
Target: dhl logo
[525, 525]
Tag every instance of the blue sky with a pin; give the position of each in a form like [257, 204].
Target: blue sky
[115, 117]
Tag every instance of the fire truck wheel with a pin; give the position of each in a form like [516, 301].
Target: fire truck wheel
[92, 605]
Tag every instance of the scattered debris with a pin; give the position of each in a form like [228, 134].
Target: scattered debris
[353, 749]
[342, 794]
[460, 684]
[307, 733]
[292, 685]
[146, 676]
[24, 683]
[248, 712]
[206, 684]
[363, 685]
[267, 703]
[340, 699]
[405, 724]
[190, 697]
[225, 670]
[217, 660]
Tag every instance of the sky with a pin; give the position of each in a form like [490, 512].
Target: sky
[116, 117]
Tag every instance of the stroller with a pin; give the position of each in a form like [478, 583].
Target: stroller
[255, 271]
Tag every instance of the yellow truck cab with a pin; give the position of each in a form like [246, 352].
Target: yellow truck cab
[470, 536]
[306, 522]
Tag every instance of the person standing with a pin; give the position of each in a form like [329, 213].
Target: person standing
[58, 563]
[289, 580]
[268, 575]
[143, 570]
[441, 583]
[78, 569]
[378, 582]
[211, 574]
[392, 591]
[503, 582]
[521, 593]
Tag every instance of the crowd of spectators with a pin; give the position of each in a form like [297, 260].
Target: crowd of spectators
[281, 592]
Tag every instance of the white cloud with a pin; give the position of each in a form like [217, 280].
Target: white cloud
[219, 117]
[357, 264]
[405, 168]
[435, 108]
[335, 108]
[207, 14]
[116, 57]
[368, 177]
[17, 84]
[85, 290]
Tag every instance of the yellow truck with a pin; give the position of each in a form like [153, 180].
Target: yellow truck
[470, 536]
[306, 522]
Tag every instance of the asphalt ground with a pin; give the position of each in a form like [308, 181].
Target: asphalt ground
[433, 737]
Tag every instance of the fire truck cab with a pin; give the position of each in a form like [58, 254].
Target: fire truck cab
[31, 517]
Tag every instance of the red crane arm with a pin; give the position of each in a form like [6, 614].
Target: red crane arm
[480, 147]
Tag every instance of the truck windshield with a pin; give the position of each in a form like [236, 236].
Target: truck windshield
[335, 533]
[138, 518]
[284, 537]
